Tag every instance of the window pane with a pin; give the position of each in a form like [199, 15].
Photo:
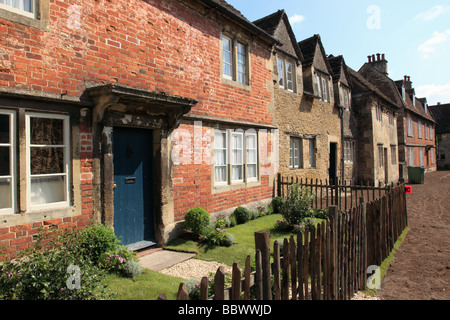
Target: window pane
[220, 174]
[4, 128]
[5, 193]
[220, 157]
[46, 131]
[220, 140]
[281, 73]
[251, 171]
[312, 150]
[290, 80]
[5, 161]
[48, 190]
[47, 160]
[236, 172]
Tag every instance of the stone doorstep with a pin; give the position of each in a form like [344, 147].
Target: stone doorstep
[163, 259]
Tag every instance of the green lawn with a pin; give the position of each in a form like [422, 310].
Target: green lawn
[151, 284]
[146, 286]
[244, 242]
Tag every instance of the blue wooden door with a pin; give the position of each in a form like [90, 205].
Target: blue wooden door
[133, 173]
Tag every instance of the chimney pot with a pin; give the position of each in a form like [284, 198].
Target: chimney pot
[406, 78]
[373, 58]
[378, 57]
[438, 103]
[383, 57]
[369, 58]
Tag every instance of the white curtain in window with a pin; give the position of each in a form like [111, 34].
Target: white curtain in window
[237, 156]
[220, 156]
[252, 157]
[25, 5]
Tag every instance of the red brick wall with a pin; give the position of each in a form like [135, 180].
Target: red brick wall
[155, 45]
[193, 172]
[415, 140]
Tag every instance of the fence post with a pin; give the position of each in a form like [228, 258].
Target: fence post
[362, 202]
[279, 185]
[219, 284]
[333, 213]
[262, 243]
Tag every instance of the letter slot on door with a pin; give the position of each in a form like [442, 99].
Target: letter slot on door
[130, 180]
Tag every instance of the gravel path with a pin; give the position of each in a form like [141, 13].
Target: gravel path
[196, 269]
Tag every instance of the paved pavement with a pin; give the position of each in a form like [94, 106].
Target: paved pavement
[162, 259]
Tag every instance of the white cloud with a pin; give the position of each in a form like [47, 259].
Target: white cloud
[433, 13]
[429, 46]
[296, 18]
[434, 93]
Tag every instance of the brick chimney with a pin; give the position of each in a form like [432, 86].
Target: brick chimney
[407, 82]
[379, 62]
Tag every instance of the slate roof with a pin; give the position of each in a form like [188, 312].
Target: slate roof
[441, 114]
[271, 23]
[419, 108]
[338, 64]
[227, 9]
[360, 84]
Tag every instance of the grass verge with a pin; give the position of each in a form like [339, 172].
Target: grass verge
[388, 261]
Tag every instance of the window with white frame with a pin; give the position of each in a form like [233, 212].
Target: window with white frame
[47, 160]
[421, 157]
[251, 139]
[432, 156]
[24, 7]
[430, 133]
[234, 60]
[393, 155]
[295, 157]
[286, 74]
[237, 156]
[391, 118]
[411, 157]
[323, 87]
[349, 149]
[409, 126]
[7, 160]
[221, 157]
[426, 131]
[419, 126]
[235, 152]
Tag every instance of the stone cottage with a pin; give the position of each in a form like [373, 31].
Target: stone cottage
[129, 114]
[343, 101]
[376, 113]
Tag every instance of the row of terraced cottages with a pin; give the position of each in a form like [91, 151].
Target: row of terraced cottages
[131, 113]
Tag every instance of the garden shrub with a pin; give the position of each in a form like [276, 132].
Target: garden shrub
[222, 222]
[60, 270]
[197, 220]
[232, 219]
[297, 204]
[132, 268]
[219, 237]
[276, 204]
[242, 215]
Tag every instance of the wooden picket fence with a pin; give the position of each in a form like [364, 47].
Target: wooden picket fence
[333, 192]
[327, 262]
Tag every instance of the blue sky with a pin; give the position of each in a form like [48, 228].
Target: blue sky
[414, 35]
